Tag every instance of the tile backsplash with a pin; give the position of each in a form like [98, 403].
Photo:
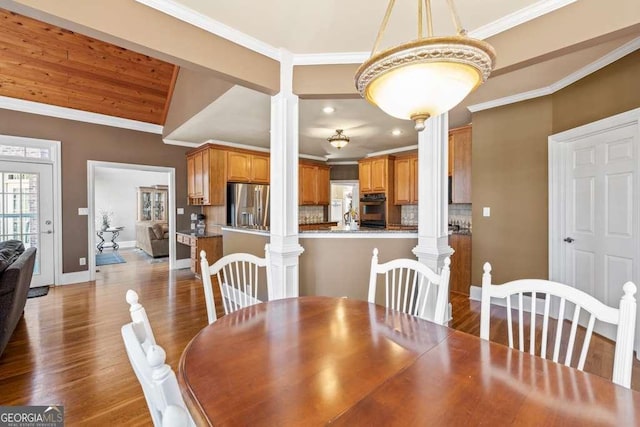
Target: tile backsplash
[311, 214]
[459, 214]
[409, 215]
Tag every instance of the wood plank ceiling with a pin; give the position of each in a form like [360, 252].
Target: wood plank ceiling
[48, 64]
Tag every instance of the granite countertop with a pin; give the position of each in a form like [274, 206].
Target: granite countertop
[193, 233]
[341, 230]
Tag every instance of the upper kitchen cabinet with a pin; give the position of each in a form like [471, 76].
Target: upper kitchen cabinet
[247, 167]
[375, 174]
[460, 164]
[205, 177]
[313, 184]
[406, 180]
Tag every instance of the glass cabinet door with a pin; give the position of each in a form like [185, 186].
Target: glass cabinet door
[152, 204]
[144, 207]
[160, 206]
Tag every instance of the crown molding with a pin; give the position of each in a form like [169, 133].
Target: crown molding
[181, 143]
[312, 157]
[591, 68]
[212, 26]
[393, 151]
[511, 99]
[343, 163]
[77, 115]
[330, 58]
[237, 145]
[518, 17]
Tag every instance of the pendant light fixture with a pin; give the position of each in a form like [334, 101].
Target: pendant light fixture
[338, 140]
[424, 77]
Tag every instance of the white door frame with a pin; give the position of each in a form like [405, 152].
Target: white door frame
[91, 172]
[55, 156]
[557, 172]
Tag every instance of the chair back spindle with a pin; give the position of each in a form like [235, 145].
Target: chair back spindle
[410, 286]
[562, 304]
[238, 277]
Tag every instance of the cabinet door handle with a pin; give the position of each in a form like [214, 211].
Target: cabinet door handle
[569, 240]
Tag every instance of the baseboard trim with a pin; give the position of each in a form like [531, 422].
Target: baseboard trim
[182, 263]
[75, 277]
[127, 244]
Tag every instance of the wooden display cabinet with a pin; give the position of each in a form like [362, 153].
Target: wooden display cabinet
[153, 203]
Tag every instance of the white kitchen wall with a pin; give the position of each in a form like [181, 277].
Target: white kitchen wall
[116, 191]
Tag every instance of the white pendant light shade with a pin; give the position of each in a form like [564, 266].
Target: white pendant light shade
[430, 88]
[425, 77]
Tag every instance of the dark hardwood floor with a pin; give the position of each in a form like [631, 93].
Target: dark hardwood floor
[68, 349]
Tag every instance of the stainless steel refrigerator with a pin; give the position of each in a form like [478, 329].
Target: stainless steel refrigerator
[247, 205]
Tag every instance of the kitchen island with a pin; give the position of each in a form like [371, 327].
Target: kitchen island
[335, 262]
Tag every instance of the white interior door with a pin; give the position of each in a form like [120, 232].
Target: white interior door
[601, 223]
[26, 209]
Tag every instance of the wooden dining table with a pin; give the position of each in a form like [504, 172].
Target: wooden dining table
[320, 360]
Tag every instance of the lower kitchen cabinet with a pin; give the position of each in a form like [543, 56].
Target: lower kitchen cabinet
[460, 279]
[210, 243]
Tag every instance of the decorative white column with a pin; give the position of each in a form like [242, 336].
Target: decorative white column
[285, 249]
[433, 210]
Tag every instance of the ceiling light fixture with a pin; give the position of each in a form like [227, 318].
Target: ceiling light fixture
[338, 140]
[424, 77]
[328, 110]
[396, 132]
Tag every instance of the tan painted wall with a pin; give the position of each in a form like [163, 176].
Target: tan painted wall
[324, 81]
[610, 91]
[510, 159]
[82, 142]
[510, 176]
[193, 92]
[340, 267]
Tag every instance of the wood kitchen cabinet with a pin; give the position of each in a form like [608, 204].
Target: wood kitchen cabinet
[460, 164]
[205, 181]
[406, 180]
[460, 278]
[211, 244]
[376, 174]
[247, 167]
[313, 184]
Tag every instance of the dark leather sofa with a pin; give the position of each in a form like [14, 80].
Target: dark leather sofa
[14, 287]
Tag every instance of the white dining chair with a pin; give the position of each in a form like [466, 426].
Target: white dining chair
[158, 381]
[554, 300]
[412, 287]
[238, 276]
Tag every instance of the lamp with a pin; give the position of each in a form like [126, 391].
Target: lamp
[424, 77]
[338, 140]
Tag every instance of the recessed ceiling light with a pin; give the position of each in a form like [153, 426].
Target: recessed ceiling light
[328, 110]
[396, 132]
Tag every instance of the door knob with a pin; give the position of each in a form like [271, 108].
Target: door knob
[569, 240]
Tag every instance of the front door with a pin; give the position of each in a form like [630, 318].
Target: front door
[26, 209]
[601, 222]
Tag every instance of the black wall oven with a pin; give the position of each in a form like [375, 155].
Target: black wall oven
[373, 210]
